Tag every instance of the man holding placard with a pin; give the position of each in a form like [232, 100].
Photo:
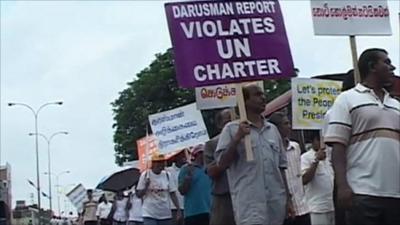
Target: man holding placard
[258, 188]
[364, 130]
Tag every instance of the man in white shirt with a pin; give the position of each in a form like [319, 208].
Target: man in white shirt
[317, 174]
[364, 131]
[135, 214]
[301, 214]
[179, 161]
[157, 189]
[103, 210]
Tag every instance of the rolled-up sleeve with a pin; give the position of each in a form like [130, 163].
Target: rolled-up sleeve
[338, 123]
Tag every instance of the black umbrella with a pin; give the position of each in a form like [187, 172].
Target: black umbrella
[120, 180]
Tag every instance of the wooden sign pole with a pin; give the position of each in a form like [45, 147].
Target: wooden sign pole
[243, 117]
[353, 46]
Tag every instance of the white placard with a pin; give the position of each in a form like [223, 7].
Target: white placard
[311, 98]
[351, 17]
[214, 97]
[77, 196]
[178, 128]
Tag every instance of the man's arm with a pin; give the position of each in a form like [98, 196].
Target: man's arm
[339, 162]
[290, 209]
[185, 179]
[212, 168]
[231, 154]
[143, 185]
[308, 176]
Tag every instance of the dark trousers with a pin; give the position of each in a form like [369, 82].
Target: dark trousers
[105, 222]
[90, 223]
[200, 219]
[299, 220]
[340, 212]
[221, 210]
[371, 210]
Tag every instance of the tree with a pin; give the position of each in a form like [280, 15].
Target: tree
[155, 90]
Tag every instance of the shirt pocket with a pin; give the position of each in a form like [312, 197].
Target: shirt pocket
[275, 151]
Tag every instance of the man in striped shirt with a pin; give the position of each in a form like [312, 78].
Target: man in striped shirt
[364, 130]
[293, 171]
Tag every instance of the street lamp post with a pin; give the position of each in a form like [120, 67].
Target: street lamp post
[36, 113]
[58, 187]
[48, 140]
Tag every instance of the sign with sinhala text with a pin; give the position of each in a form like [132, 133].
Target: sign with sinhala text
[178, 128]
[311, 98]
[214, 97]
[351, 17]
[219, 42]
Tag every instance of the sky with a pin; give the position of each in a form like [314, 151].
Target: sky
[84, 52]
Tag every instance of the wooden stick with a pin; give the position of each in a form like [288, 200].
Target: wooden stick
[233, 113]
[147, 148]
[353, 46]
[243, 117]
[321, 138]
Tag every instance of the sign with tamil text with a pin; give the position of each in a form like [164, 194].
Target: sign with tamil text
[214, 97]
[219, 42]
[178, 128]
[351, 17]
[311, 98]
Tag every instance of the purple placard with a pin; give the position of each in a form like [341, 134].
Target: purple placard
[217, 42]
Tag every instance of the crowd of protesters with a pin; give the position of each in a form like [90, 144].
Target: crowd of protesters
[351, 166]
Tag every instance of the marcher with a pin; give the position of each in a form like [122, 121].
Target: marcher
[157, 189]
[179, 161]
[258, 188]
[134, 208]
[119, 211]
[317, 173]
[293, 171]
[221, 206]
[89, 209]
[195, 186]
[364, 131]
[103, 211]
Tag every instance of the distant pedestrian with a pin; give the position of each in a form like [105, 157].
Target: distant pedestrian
[120, 213]
[195, 186]
[134, 207]
[89, 209]
[103, 211]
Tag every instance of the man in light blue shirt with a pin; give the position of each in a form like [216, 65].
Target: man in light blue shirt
[195, 186]
[258, 187]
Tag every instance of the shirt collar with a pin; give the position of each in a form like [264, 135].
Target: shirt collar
[290, 146]
[363, 89]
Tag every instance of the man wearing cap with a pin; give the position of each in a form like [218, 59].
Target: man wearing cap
[258, 187]
[195, 186]
[157, 189]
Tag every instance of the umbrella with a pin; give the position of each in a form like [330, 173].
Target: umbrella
[120, 180]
